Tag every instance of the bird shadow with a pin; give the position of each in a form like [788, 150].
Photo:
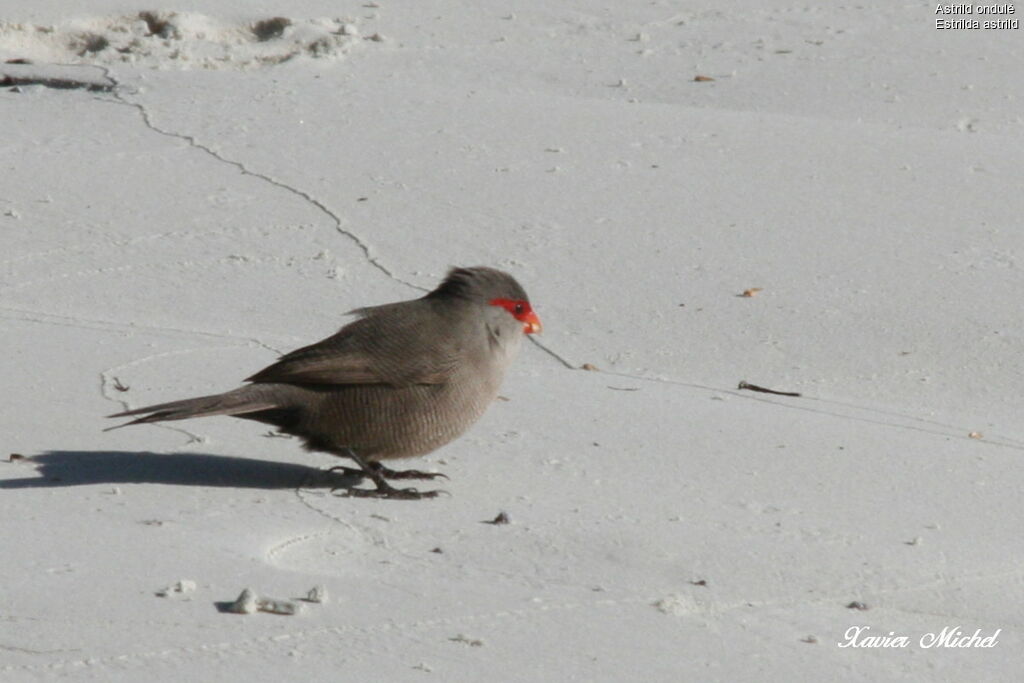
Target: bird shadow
[81, 468]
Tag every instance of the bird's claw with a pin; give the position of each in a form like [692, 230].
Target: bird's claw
[408, 474]
[378, 474]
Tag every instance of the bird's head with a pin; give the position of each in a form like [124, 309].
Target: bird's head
[491, 287]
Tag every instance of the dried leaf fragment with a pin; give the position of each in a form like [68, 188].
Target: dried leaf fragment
[501, 518]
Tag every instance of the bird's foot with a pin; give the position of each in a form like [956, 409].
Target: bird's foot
[378, 474]
[385, 490]
[388, 473]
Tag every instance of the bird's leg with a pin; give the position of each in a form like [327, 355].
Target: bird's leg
[388, 473]
[384, 489]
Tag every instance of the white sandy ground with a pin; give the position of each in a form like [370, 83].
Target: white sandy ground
[174, 234]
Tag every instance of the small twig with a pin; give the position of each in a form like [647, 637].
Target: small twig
[119, 386]
[754, 387]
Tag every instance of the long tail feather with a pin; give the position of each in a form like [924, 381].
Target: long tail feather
[237, 402]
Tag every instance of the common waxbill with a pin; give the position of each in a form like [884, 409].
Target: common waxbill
[401, 380]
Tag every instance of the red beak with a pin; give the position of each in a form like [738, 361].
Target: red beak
[531, 323]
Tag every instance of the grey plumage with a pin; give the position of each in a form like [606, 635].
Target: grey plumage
[401, 380]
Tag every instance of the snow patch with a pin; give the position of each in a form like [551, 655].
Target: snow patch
[178, 40]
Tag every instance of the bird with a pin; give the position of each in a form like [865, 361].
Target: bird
[401, 380]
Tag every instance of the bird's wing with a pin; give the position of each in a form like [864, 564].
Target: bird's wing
[382, 347]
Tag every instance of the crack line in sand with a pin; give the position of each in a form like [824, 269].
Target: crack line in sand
[339, 223]
[957, 432]
[554, 354]
[375, 537]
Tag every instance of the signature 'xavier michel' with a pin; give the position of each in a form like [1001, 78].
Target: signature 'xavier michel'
[401, 380]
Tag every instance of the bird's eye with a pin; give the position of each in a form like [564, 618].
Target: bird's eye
[519, 309]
